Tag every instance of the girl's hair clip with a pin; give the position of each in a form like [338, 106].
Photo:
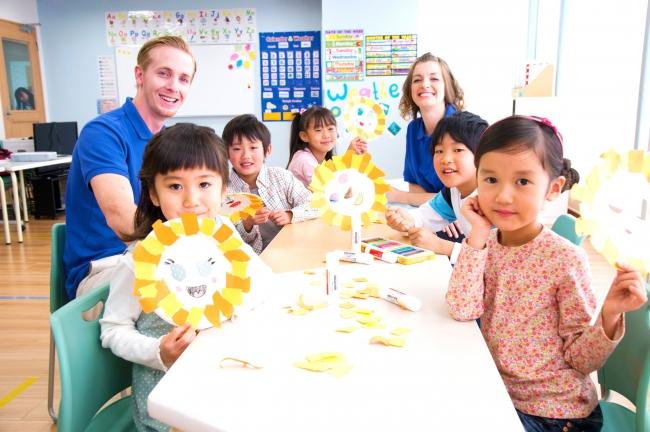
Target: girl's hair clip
[546, 122]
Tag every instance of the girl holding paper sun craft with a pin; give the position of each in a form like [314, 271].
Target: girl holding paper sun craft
[431, 90]
[183, 172]
[313, 138]
[532, 288]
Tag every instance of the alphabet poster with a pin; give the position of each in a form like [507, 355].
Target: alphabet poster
[204, 26]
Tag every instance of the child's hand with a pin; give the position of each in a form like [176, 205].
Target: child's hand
[174, 343]
[427, 239]
[454, 229]
[480, 224]
[261, 216]
[627, 293]
[358, 145]
[399, 219]
[281, 217]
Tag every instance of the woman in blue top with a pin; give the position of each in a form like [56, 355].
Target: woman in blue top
[431, 90]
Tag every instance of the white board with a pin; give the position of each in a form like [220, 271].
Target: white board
[221, 87]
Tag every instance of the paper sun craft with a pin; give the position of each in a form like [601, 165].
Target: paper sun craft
[609, 215]
[238, 206]
[191, 270]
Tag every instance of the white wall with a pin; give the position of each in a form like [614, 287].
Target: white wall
[484, 44]
[20, 11]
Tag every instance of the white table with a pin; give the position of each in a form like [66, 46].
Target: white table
[443, 379]
[19, 167]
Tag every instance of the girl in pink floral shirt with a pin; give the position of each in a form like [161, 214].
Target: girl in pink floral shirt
[530, 287]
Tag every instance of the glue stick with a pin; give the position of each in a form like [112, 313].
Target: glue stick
[331, 271]
[400, 299]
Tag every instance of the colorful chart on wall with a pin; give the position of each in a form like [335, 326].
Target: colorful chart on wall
[191, 270]
[364, 118]
[346, 187]
[237, 206]
[388, 55]
[611, 217]
[290, 73]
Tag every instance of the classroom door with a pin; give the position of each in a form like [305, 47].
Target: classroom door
[21, 91]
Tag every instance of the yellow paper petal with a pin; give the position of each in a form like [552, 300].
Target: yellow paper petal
[347, 329]
[207, 226]
[234, 296]
[400, 331]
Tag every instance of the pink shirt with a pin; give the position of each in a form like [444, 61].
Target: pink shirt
[535, 303]
[302, 165]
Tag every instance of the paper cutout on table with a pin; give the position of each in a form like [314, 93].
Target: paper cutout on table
[394, 341]
[238, 206]
[609, 216]
[348, 175]
[331, 362]
[347, 329]
[400, 331]
[364, 118]
[191, 270]
[308, 303]
[228, 362]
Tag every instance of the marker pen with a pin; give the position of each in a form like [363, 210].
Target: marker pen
[385, 256]
[356, 257]
[400, 299]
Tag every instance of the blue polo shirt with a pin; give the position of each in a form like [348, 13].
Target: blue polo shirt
[112, 143]
[418, 161]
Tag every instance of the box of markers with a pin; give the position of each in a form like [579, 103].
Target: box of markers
[406, 254]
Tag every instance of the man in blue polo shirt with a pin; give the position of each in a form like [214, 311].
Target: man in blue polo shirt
[103, 187]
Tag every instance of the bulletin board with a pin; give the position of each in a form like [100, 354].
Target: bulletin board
[223, 85]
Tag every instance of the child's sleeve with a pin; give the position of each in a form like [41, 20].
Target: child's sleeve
[466, 285]
[122, 310]
[434, 214]
[253, 238]
[299, 199]
[586, 347]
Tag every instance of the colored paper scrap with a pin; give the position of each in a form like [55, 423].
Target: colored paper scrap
[400, 331]
[394, 341]
[331, 362]
[228, 362]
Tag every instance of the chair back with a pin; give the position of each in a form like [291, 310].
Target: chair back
[58, 295]
[90, 374]
[565, 225]
[627, 370]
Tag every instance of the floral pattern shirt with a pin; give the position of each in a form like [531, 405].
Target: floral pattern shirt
[535, 303]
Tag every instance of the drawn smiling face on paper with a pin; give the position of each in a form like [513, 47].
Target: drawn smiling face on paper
[350, 193]
[193, 268]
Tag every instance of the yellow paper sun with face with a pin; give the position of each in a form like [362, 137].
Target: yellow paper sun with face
[191, 270]
[346, 187]
[610, 206]
[238, 206]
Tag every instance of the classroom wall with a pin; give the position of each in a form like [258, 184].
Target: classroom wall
[381, 17]
[73, 34]
[24, 12]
